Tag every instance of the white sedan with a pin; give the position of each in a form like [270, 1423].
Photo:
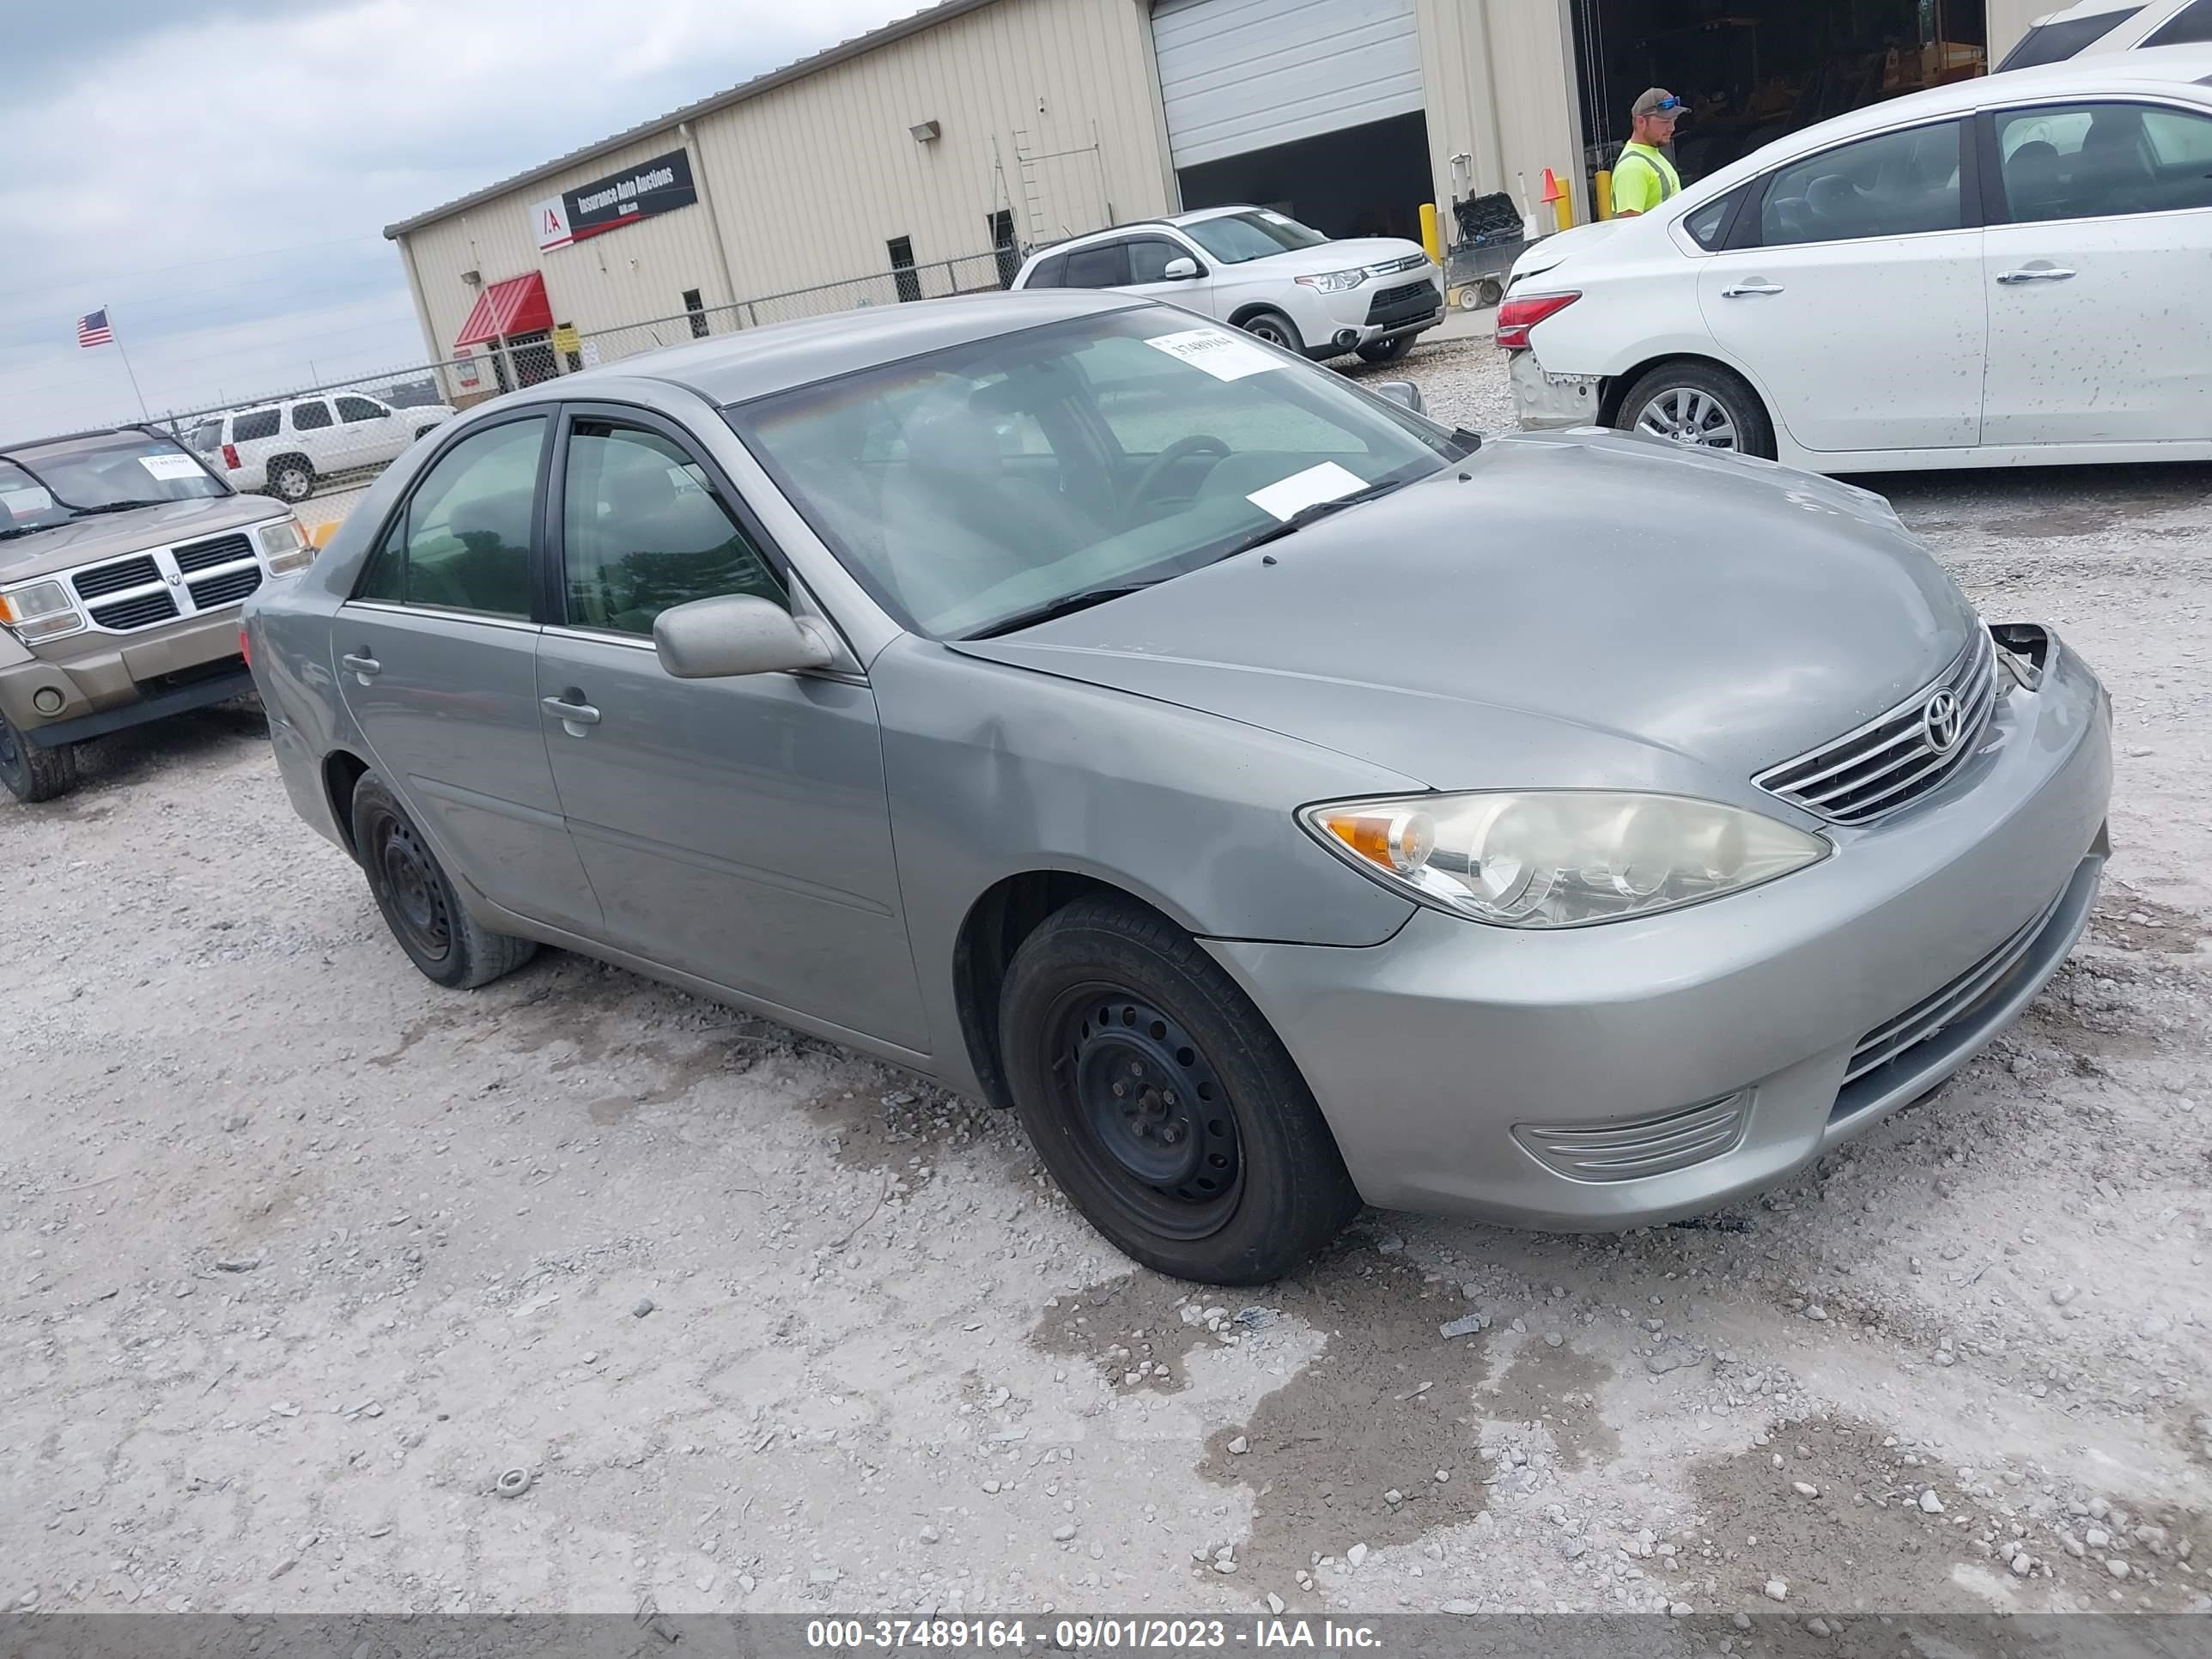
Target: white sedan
[2013, 271]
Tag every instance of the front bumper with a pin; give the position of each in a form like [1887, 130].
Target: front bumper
[143, 679]
[1550, 403]
[1369, 315]
[1464, 1068]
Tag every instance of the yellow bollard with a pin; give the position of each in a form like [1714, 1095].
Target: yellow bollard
[1603, 184]
[1431, 238]
[1564, 207]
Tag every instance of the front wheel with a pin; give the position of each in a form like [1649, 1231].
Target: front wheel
[1386, 352]
[418, 902]
[34, 774]
[1164, 1107]
[1700, 406]
[1275, 329]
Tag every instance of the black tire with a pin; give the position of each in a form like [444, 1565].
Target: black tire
[291, 478]
[31, 773]
[1274, 328]
[422, 432]
[1388, 351]
[1699, 398]
[1214, 1164]
[420, 907]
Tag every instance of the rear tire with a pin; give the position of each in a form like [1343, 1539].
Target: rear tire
[291, 478]
[419, 904]
[1388, 351]
[1275, 329]
[1166, 1109]
[1700, 405]
[31, 773]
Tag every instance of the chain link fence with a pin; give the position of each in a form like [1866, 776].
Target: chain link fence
[471, 376]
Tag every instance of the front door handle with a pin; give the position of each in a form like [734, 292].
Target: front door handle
[1742, 289]
[573, 710]
[361, 664]
[2035, 273]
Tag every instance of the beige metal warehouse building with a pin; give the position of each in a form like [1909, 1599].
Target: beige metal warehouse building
[910, 154]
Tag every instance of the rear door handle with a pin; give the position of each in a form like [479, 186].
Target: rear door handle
[1742, 289]
[2035, 273]
[361, 664]
[571, 714]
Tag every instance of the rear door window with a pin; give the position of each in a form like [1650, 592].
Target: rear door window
[1896, 183]
[2098, 161]
[360, 409]
[311, 417]
[1106, 265]
[463, 542]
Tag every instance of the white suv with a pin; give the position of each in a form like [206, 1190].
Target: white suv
[1263, 272]
[283, 449]
[2101, 25]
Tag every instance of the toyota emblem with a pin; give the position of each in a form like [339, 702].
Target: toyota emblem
[1943, 721]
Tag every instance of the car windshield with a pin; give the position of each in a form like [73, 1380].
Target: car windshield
[45, 484]
[971, 487]
[1236, 237]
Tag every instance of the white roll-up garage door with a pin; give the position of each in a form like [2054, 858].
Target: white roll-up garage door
[1238, 75]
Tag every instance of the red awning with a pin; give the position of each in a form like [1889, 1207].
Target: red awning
[516, 305]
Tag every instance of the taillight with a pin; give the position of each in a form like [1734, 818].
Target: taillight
[1517, 317]
[230, 456]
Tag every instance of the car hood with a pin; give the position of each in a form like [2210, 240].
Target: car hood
[85, 541]
[1581, 611]
[1335, 256]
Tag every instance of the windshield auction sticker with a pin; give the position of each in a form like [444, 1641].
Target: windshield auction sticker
[1287, 496]
[166, 467]
[1224, 355]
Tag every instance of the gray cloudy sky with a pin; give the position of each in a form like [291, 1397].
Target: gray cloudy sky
[218, 173]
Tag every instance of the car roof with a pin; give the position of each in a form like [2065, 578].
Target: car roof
[1166, 222]
[755, 363]
[2160, 69]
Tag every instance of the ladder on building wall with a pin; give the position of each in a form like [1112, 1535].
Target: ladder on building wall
[1044, 220]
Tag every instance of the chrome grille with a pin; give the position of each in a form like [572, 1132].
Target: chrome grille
[140, 611]
[213, 592]
[203, 556]
[1641, 1147]
[1892, 760]
[1929, 1016]
[1392, 267]
[114, 578]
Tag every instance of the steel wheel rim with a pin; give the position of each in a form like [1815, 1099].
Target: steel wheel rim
[1165, 1148]
[1686, 414]
[414, 895]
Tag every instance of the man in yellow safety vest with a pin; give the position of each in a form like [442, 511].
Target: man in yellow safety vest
[1643, 178]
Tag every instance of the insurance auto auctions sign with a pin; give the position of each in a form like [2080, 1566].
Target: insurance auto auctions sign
[660, 186]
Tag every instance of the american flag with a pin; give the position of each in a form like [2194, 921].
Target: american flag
[92, 329]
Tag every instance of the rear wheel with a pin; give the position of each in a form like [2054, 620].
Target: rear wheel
[291, 478]
[1275, 329]
[1388, 351]
[420, 907]
[31, 773]
[1164, 1107]
[1700, 405]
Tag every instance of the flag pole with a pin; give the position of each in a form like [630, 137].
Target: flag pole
[115, 335]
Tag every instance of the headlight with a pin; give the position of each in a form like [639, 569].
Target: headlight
[286, 546]
[1561, 858]
[41, 611]
[1336, 281]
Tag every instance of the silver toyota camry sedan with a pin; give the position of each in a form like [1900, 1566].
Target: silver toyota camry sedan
[1277, 799]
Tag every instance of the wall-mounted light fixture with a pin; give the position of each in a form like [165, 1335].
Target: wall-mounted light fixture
[924, 132]
[473, 279]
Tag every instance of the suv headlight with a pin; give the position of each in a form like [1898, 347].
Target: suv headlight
[286, 547]
[1561, 858]
[40, 610]
[1334, 282]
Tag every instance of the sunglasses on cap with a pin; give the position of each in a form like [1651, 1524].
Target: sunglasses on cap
[1667, 106]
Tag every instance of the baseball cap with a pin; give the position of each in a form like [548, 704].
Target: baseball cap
[1659, 101]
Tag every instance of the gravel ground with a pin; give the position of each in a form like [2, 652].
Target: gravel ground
[302, 1254]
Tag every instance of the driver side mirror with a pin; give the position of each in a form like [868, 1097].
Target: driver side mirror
[735, 634]
[1402, 392]
[1180, 270]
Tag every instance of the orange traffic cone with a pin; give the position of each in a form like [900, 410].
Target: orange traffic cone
[1551, 190]
[1562, 205]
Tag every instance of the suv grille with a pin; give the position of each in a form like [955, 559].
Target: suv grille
[213, 592]
[1392, 267]
[141, 611]
[1896, 758]
[114, 578]
[1404, 304]
[223, 549]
